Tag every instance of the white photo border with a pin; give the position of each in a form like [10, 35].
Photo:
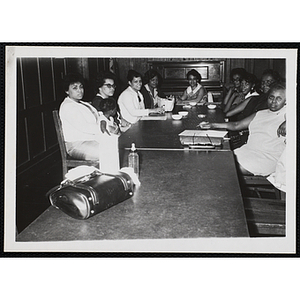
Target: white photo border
[284, 245]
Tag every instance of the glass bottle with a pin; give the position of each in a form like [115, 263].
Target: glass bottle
[133, 159]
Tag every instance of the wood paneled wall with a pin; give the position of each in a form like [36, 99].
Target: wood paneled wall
[255, 66]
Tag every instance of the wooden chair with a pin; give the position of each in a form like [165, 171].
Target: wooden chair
[67, 161]
[260, 187]
[265, 217]
[264, 207]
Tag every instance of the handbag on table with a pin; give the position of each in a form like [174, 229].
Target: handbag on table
[87, 195]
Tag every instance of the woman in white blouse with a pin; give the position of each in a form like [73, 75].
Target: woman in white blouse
[80, 121]
[131, 101]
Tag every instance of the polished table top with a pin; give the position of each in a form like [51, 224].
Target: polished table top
[183, 194]
[163, 134]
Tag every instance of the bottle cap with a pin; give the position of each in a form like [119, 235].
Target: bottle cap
[133, 147]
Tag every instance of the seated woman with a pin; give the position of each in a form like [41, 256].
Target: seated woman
[105, 84]
[247, 108]
[236, 76]
[153, 96]
[265, 143]
[195, 91]
[131, 101]
[269, 77]
[80, 121]
[248, 89]
[105, 87]
[254, 104]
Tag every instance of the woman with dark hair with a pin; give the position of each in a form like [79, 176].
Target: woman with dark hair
[150, 90]
[131, 101]
[269, 76]
[105, 84]
[254, 104]
[195, 91]
[80, 121]
[248, 90]
[153, 96]
[236, 76]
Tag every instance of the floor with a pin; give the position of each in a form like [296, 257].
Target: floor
[31, 194]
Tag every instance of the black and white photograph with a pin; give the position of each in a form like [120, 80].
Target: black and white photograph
[150, 149]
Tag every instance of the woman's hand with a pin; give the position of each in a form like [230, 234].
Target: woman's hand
[205, 125]
[178, 98]
[241, 96]
[170, 98]
[103, 127]
[232, 89]
[114, 129]
[281, 131]
[158, 110]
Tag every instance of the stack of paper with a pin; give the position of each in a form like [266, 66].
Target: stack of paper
[202, 137]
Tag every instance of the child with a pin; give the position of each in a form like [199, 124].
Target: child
[109, 125]
[109, 121]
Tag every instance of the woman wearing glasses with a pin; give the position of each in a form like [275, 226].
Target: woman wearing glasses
[105, 87]
[235, 88]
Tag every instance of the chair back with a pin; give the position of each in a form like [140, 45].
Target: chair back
[67, 161]
[60, 135]
[264, 207]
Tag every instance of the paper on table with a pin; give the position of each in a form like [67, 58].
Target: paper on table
[202, 137]
[210, 133]
[156, 118]
[187, 102]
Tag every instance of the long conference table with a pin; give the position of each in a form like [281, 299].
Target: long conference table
[184, 193]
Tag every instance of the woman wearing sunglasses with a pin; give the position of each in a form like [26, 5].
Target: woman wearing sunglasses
[105, 84]
[105, 87]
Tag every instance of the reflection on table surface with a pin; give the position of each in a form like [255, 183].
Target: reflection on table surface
[182, 195]
[164, 133]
